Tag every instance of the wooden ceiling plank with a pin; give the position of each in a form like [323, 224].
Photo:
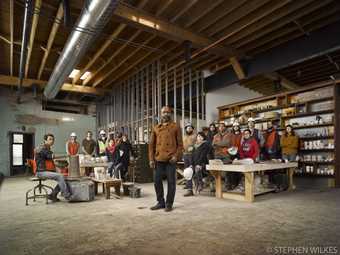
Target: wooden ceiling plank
[163, 8]
[108, 73]
[13, 81]
[136, 63]
[282, 22]
[241, 16]
[51, 38]
[285, 34]
[35, 21]
[196, 17]
[219, 14]
[252, 18]
[184, 10]
[270, 19]
[110, 59]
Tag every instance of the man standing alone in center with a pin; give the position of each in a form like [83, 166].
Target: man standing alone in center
[165, 149]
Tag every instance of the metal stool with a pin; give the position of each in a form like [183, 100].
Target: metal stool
[41, 187]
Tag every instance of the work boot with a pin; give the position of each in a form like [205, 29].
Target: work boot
[189, 193]
[168, 208]
[157, 207]
[53, 198]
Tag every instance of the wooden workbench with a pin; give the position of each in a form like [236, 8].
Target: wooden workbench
[248, 171]
[82, 166]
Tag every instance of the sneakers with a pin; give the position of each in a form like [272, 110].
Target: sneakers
[157, 207]
[189, 193]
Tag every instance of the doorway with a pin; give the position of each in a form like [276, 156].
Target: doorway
[21, 148]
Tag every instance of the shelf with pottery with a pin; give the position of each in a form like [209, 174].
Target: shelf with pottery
[311, 111]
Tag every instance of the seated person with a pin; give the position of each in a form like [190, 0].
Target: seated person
[249, 147]
[46, 168]
[200, 154]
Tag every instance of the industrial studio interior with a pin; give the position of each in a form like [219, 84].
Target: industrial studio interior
[169, 127]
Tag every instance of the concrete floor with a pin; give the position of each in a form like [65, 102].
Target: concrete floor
[200, 224]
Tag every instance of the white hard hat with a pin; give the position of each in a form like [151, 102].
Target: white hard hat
[102, 132]
[251, 119]
[187, 173]
[236, 124]
[232, 151]
[73, 134]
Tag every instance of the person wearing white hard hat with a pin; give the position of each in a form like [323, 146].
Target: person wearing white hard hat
[102, 143]
[72, 146]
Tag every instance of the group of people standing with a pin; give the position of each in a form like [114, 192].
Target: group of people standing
[167, 146]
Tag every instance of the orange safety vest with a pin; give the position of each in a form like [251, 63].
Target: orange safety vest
[73, 148]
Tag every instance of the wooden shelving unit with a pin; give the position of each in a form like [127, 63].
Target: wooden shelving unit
[303, 109]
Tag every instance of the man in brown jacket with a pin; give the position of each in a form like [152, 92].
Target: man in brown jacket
[165, 149]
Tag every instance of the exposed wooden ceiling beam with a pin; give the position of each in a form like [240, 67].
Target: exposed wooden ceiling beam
[184, 10]
[195, 17]
[237, 68]
[122, 61]
[163, 8]
[106, 44]
[110, 59]
[283, 22]
[248, 14]
[166, 29]
[32, 34]
[136, 63]
[283, 81]
[292, 9]
[101, 50]
[13, 81]
[50, 40]
[224, 10]
[11, 24]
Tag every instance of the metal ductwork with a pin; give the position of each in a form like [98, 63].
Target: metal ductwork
[93, 18]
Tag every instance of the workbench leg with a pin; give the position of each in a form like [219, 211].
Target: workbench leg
[249, 187]
[290, 174]
[96, 188]
[103, 188]
[117, 188]
[218, 183]
[82, 171]
[107, 190]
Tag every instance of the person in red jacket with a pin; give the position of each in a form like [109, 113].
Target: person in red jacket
[249, 147]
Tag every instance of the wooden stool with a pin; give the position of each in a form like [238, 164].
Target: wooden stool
[41, 187]
[107, 184]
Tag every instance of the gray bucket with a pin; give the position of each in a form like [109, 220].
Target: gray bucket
[126, 186]
[135, 192]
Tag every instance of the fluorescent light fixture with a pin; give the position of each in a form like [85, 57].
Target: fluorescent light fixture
[73, 73]
[66, 119]
[86, 75]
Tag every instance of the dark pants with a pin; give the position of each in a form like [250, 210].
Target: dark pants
[169, 170]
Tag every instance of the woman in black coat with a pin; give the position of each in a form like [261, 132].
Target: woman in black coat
[123, 158]
[200, 158]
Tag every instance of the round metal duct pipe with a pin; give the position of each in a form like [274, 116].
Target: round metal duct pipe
[94, 16]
